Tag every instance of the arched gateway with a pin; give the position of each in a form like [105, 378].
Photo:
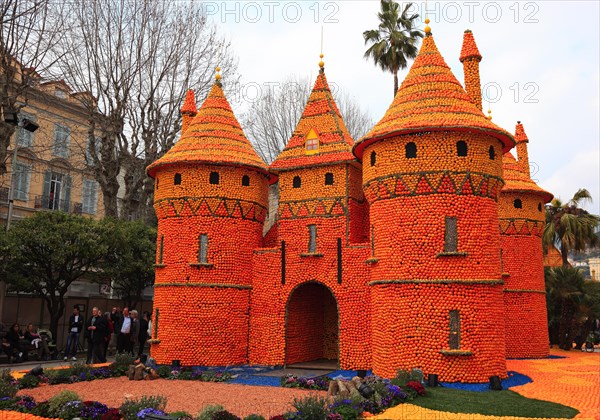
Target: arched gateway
[312, 324]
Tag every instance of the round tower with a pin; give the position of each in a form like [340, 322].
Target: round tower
[432, 172]
[211, 200]
[522, 220]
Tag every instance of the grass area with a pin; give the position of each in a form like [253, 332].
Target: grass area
[494, 403]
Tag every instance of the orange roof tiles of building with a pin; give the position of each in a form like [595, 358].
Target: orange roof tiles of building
[189, 105]
[322, 115]
[431, 99]
[214, 136]
[515, 179]
[469, 47]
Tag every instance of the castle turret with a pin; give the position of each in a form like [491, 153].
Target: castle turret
[188, 110]
[432, 173]
[211, 200]
[470, 57]
[522, 220]
[306, 289]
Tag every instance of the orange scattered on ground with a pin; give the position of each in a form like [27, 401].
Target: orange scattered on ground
[573, 381]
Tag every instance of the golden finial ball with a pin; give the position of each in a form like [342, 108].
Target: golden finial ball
[218, 68]
[427, 21]
[427, 30]
[321, 64]
[321, 55]
[218, 77]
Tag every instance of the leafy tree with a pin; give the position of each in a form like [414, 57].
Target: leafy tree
[570, 226]
[573, 303]
[129, 265]
[45, 253]
[395, 41]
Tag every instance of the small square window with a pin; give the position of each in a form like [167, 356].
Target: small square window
[328, 178]
[312, 144]
[214, 178]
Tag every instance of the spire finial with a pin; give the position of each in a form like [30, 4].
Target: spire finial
[321, 63]
[427, 29]
[218, 76]
[489, 116]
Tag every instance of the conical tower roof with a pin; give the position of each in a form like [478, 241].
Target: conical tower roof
[469, 47]
[515, 180]
[214, 136]
[321, 118]
[432, 99]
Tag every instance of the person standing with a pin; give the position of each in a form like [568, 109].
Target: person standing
[134, 336]
[95, 333]
[144, 326]
[124, 331]
[109, 332]
[75, 326]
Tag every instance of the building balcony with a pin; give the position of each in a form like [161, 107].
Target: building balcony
[53, 204]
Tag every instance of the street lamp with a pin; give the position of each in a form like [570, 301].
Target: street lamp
[12, 117]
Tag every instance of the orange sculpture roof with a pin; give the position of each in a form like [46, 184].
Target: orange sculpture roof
[469, 47]
[432, 99]
[214, 136]
[189, 105]
[518, 181]
[520, 135]
[322, 115]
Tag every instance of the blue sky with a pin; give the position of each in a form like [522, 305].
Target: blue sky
[540, 66]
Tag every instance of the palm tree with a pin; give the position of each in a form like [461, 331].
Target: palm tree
[569, 226]
[573, 303]
[395, 40]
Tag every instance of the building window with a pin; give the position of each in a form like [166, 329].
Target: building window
[539, 206]
[328, 178]
[297, 182]
[161, 249]
[245, 181]
[203, 249]
[312, 142]
[59, 93]
[61, 141]
[177, 179]
[24, 137]
[22, 176]
[312, 239]
[214, 178]
[410, 150]
[89, 196]
[518, 203]
[492, 153]
[56, 194]
[461, 148]
[450, 235]
[454, 340]
[373, 158]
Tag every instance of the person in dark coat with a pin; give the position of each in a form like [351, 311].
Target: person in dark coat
[95, 331]
[143, 331]
[14, 339]
[75, 327]
[135, 331]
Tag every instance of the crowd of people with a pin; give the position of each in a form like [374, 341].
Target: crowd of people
[116, 331]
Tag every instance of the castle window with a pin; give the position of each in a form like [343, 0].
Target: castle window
[451, 235]
[245, 181]
[297, 182]
[203, 249]
[454, 339]
[312, 142]
[492, 153]
[161, 249]
[214, 178]
[539, 206]
[312, 239]
[518, 203]
[461, 148]
[328, 178]
[410, 150]
[177, 179]
[373, 158]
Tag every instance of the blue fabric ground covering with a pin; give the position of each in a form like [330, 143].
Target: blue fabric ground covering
[257, 380]
[551, 356]
[345, 374]
[514, 379]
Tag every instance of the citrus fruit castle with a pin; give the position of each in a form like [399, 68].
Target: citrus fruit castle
[417, 246]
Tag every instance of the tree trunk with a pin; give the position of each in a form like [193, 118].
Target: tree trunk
[565, 329]
[564, 253]
[395, 82]
[56, 308]
[6, 131]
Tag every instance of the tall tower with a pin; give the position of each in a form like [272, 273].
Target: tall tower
[211, 200]
[305, 291]
[432, 172]
[470, 57]
[522, 220]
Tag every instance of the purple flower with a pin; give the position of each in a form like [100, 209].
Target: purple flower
[143, 413]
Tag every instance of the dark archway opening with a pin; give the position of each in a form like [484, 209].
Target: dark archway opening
[312, 325]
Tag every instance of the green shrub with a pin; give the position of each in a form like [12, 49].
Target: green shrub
[348, 409]
[5, 375]
[224, 415]
[124, 359]
[56, 402]
[182, 415]
[402, 378]
[254, 417]
[29, 381]
[208, 412]
[78, 368]
[163, 371]
[58, 376]
[8, 389]
[312, 407]
[130, 408]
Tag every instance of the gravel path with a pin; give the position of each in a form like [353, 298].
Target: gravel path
[190, 396]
